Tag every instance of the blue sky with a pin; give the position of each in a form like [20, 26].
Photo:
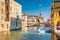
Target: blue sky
[33, 7]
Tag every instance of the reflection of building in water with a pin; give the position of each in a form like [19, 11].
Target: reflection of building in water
[6, 36]
[9, 9]
[55, 16]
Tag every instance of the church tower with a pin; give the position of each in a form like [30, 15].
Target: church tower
[41, 19]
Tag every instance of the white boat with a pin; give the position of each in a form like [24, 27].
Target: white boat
[41, 31]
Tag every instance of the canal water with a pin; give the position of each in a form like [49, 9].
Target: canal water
[18, 35]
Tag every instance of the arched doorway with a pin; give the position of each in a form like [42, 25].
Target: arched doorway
[58, 28]
[58, 25]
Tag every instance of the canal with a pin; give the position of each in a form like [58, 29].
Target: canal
[18, 35]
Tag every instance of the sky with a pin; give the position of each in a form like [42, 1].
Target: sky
[34, 7]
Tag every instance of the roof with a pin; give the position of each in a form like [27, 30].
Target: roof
[30, 15]
[56, 0]
[17, 3]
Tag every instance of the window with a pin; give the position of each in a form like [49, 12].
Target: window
[17, 17]
[7, 15]
[33, 20]
[14, 9]
[16, 12]
[16, 23]
[7, 26]
[59, 13]
[6, 1]
[2, 25]
[28, 21]
[2, 3]
[10, 8]
[2, 10]
[7, 8]
[11, 2]
[12, 23]
[1, 17]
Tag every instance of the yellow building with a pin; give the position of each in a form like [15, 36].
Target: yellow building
[8, 9]
[55, 17]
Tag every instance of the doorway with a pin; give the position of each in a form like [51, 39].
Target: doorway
[58, 25]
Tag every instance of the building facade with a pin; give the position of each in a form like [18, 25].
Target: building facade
[16, 15]
[29, 22]
[4, 16]
[7, 11]
[24, 23]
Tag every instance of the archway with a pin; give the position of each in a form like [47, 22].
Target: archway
[58, 25]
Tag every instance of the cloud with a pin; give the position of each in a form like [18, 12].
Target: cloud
[40, 5]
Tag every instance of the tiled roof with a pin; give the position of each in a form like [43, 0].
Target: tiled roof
[30, 15]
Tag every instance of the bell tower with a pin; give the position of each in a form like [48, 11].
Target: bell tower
[41, 19]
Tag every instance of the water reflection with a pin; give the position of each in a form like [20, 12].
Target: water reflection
[37, 36]
[18, 35]
[5, 36]
[13, 35]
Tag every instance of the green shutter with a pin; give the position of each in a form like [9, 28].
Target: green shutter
[10, 8]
